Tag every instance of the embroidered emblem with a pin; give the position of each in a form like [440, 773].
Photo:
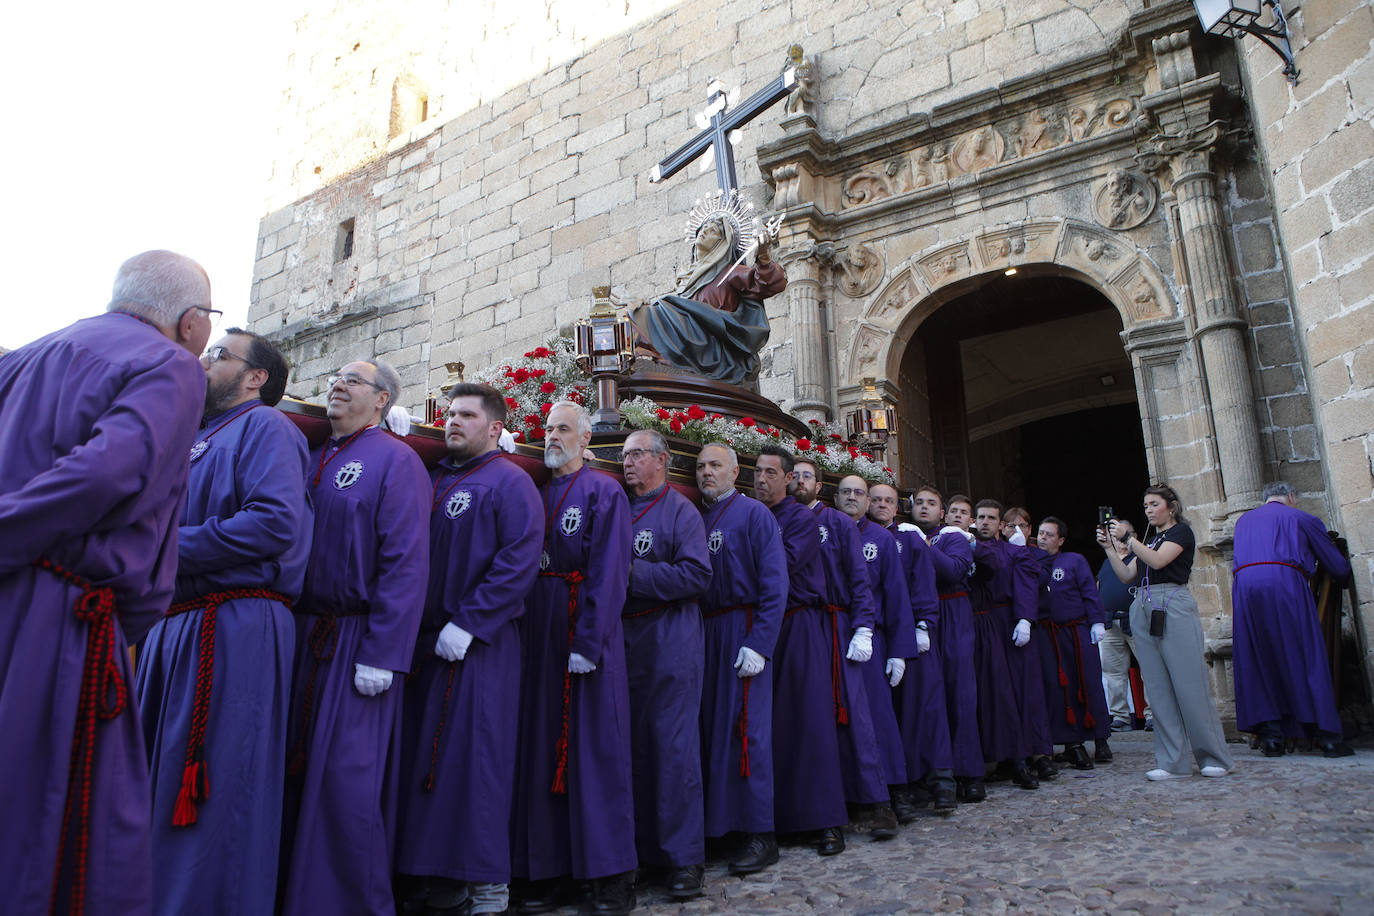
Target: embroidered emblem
[714, 542]
[571, 520]
[1058, 574]
[644, 542]
[199, 449]
[544, 560]
[870, 551]
[899, 546]
[348, 475]
[825, 533]
[458, 503]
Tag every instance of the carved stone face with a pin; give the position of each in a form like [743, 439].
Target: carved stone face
[1118, 183]
[708, 238]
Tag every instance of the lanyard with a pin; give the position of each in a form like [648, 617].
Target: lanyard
[466, 474]
[200, 447]
[325, 451]
[548, 519]
[661, 493]
[725, 508]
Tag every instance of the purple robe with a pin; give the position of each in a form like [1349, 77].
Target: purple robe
[363, 598]
[96, 420]
[952, 558]
[1024, 661]
[1281, 667]
[245, 525]
[808, 705]
[894, 636]
[458, 759]
[588, 831]
[743, 606]
[1071, 668]
[990, 596]
[919, 700]
[665, 658]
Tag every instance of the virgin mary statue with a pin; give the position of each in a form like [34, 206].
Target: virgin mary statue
[714, 323]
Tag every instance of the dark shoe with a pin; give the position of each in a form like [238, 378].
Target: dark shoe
[945, 799]
[903, 806]
[1002, 772]
[831, 841]
[973, 790]
[1022, 776]
[1121, 725]
[1043, 769]
[685, 882]
[1077, 757]
[884, 823]
[613, 896]
[1149, 725]
[542, 896]
[1102, 752]
[921, 792]
[758, 851]
[1335, 748]
[1272, 747]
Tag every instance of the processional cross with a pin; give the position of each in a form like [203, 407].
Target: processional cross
[717, 134]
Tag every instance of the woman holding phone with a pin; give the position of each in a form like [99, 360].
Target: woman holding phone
[1168, 637]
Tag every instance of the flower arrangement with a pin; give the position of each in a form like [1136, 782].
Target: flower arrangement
[535, 382]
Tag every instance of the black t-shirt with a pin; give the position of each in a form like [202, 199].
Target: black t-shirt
[1178, 571]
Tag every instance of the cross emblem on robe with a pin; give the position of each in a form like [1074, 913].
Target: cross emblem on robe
[717, 134]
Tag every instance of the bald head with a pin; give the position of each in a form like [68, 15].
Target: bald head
[851, 496]
[717, 470]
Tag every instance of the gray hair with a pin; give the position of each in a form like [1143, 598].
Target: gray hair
[734, 456]
[389, 380]
[1277, 488]
[160, 286]
[584, 417]
[657, 444]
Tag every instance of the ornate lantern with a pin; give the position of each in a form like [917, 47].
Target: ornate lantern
[603, 353]
[872, 421]
[1234, 18]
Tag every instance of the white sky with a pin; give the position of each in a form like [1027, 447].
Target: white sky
[129, 126]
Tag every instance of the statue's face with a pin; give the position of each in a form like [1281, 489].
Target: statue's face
[708, 238]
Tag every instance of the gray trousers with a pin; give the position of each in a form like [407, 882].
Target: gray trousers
[1176, 679]
[1115, 650]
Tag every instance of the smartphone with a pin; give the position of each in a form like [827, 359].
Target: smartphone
[1157, 622]
[1104, 517]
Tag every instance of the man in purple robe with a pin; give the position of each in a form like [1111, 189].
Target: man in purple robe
[849, 598]
[670, 568]
[918, 700]
[1073, 621]
[894, 632]
[458, 757]
[214, 676]
[742, 610]
[574, 799]
[951, 555]
[355, 629]
[1283, 680]
[1002, 613]
[97, 420]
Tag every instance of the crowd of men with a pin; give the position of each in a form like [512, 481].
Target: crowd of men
[367, 687]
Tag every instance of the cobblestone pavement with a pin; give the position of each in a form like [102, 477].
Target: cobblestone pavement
[1288, 835]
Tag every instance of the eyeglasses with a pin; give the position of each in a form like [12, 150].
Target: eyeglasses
[352, 381]
[213, 314]
[852, 491]
[635, 454]
[215, 354]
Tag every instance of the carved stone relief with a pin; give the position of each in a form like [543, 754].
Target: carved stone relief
[944, 264]
[1123, 200]
[900, 295]
[1018, 244]
[1145, 298]
[860, 270]
[977, 150]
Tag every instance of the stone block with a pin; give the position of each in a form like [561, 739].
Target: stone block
[1350, 244]
[1293, 410]
[1306, 222]
[270, 265]
[1362, 364]
[1275, 346]
[1331, 53]
[1277, 380]
[1348, 417]
[580, 234]
[1349, 465]
[1335, 154]
[1255, 246]
[1353, 194]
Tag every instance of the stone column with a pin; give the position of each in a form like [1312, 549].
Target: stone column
[805, 273]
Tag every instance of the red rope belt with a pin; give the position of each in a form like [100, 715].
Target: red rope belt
[950, 596]
[430, 777]
[836, 659]
[1271, 563]
[103, 697]
[1072, 626]
[323, 641]
[990, 608]
[195, 776]
[647, 611]
[560, 770]
[742, 725]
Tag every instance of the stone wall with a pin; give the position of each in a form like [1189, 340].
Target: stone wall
[1318, 148]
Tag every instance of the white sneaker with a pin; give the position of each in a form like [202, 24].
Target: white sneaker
[1214, 771]
[1159, 775]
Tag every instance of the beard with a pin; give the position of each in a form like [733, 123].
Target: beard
[555, 457]
[220, 397]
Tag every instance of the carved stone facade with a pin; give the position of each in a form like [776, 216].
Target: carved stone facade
[1106, 144]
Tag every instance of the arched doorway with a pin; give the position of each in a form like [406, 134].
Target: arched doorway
[1021, 390]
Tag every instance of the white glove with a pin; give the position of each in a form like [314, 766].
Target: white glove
[398, 420]
[1097, 632]
[505, 442]
[954, 529]
[370, 681]
[907, 526]
[861, 646]
[748, 662]
[896, 667]
[922, 641]
[453, 643]
[1021, 634]
[1017, 538]
[580, 664]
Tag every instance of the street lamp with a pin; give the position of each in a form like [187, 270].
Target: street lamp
[1234, 18]
[872, 421]
[603, 353]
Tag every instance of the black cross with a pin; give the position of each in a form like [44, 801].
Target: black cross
[717, 135]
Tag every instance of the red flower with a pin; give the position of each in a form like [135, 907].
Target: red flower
[775, 434]
[575, 396]
[715, 417]
[866, 455]
[542, 353]
[532, 419]
[521, 376]
[545, 408]
[663, 414]
[537, 434]
[519, 436]
[888, 469]
[746, 421]
[675, 426]
[538, 373]
[803, 445]
[814, 422]
[837, 437]
[512, 403]
[548, 387]
[820, 447]
[695, 413]
[853, 452]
